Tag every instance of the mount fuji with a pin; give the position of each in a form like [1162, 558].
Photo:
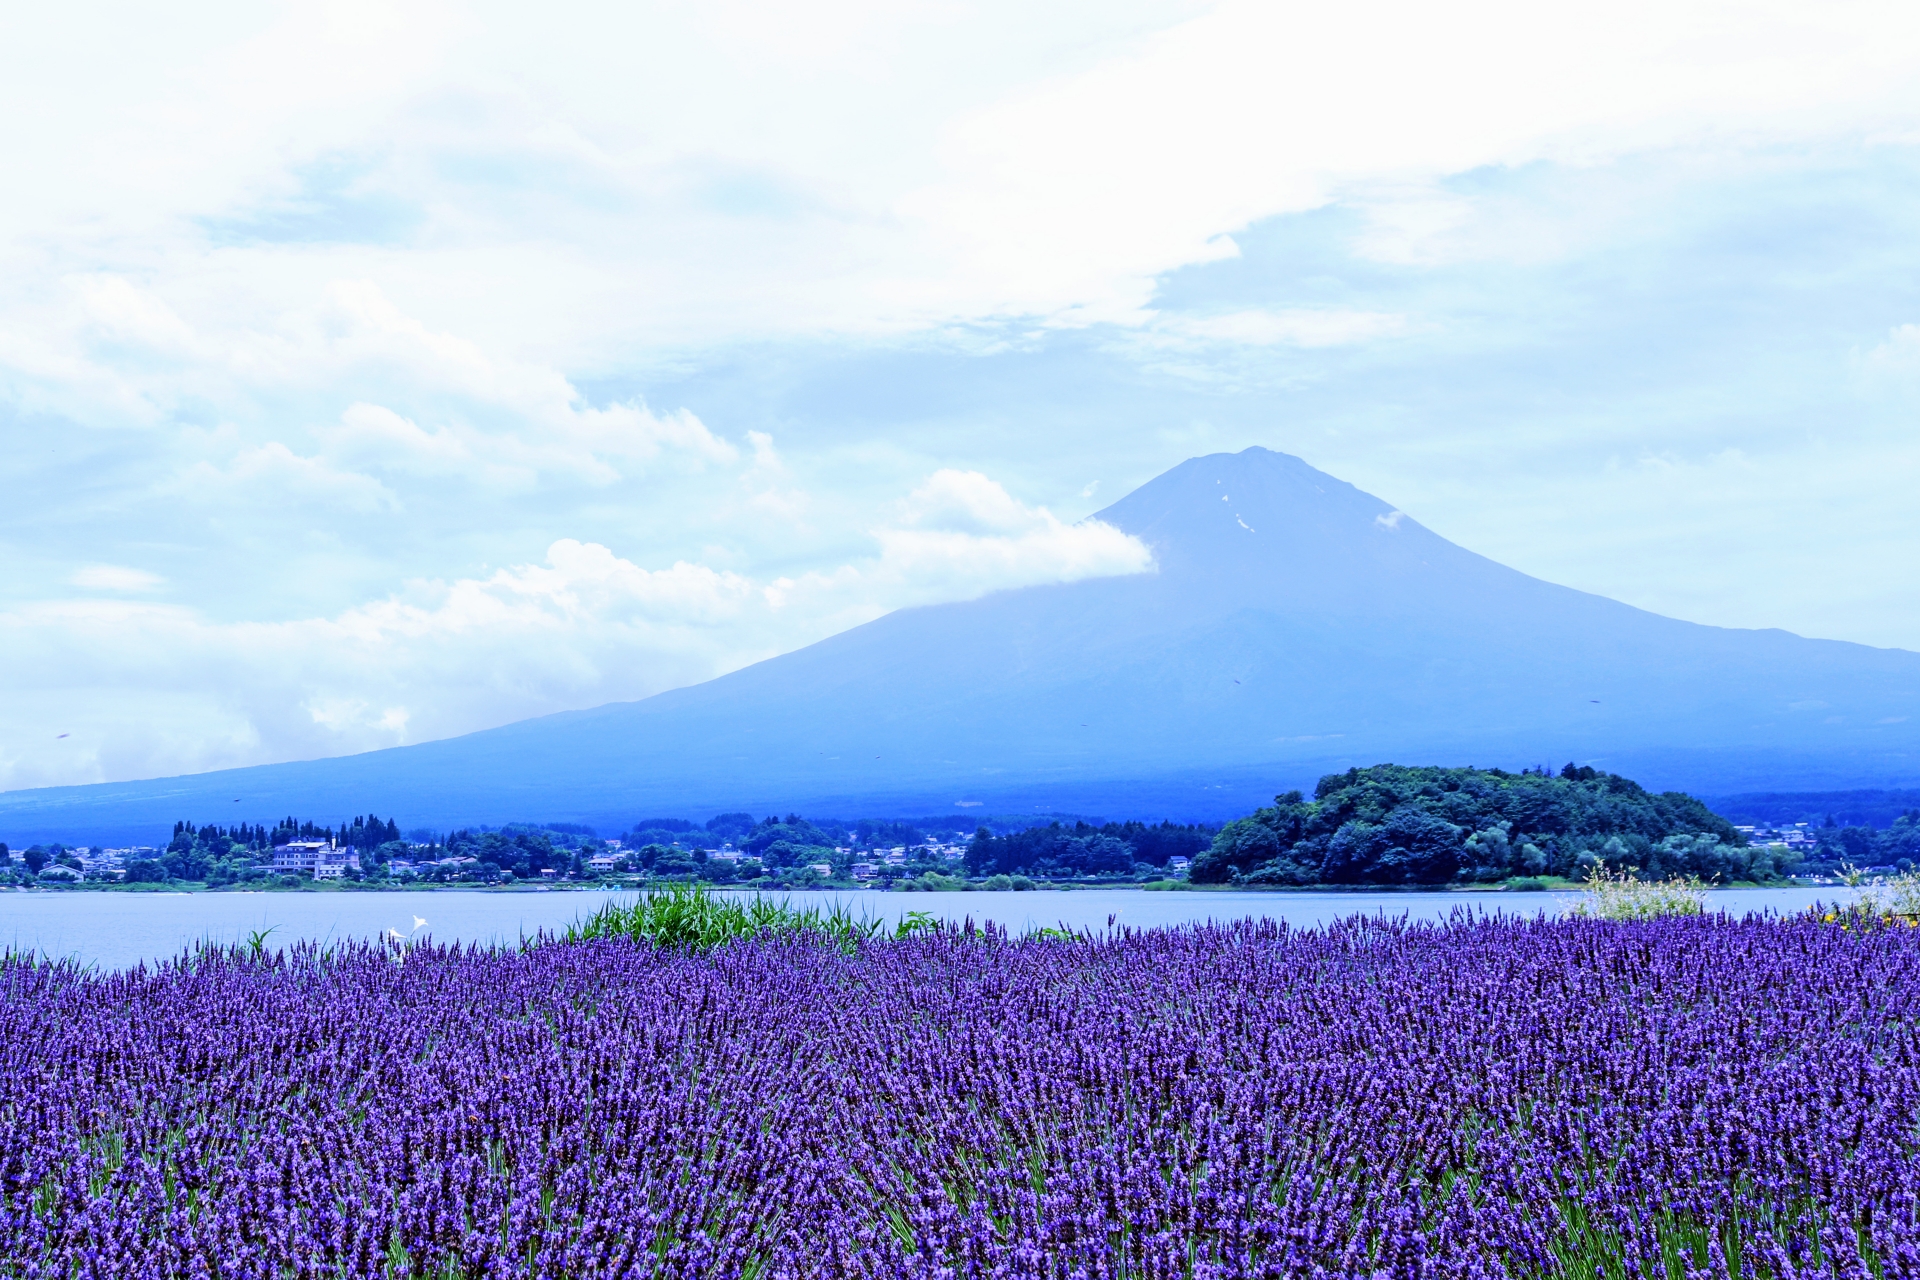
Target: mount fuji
[1292, 625]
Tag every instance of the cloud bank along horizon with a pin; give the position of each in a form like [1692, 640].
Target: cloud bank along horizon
[383, 373]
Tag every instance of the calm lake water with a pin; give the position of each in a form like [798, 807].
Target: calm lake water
[114, 930]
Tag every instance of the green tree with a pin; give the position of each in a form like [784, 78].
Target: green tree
[1395, 825]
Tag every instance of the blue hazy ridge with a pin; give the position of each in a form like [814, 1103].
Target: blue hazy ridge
[1294, 625]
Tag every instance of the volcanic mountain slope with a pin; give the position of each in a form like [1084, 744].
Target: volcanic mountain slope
[1292, 625]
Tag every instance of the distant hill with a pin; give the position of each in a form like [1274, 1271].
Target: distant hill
[1295, 626]
[1871, 808]
[1433, 826]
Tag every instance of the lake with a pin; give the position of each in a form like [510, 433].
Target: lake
[118, 930]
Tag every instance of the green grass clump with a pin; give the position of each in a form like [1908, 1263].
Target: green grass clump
[1884, 897]
[1620, 895]
[934, 882]
[692, 917]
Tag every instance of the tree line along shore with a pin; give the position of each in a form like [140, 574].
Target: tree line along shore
[1388, 826]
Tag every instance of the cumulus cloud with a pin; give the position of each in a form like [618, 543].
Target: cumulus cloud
[967, 502]
[578, 582]
[276, 474]
[965, 564]
[376, 436]
[116, 310]
[304, 303]
[962, 534]
[1898, 355]
[433, 659]
[547, 423]
[118, 354]
[594, 445]
[583, 626]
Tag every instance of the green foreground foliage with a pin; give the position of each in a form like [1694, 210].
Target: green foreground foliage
[1620, 895]
[1885, 897]
[692, 917]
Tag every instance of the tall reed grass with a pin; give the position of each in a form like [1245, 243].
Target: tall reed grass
[1620, 895]
[1895, 897]
[691, 917]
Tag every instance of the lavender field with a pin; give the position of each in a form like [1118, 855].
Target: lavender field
[1680, 1097]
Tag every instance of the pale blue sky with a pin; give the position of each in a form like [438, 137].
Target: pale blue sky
[371, 374]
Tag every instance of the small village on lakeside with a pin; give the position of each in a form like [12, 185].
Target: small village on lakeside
[585, 860]
[596, 862]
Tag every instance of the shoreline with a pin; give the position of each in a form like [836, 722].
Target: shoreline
[177, 889]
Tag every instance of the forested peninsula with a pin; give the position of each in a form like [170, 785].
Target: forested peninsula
[1392, 824]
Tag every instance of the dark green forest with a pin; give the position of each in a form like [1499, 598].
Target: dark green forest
[1057, 851]
[1389, 825]
[1394, 825]
[1861, 808]
[1895, 847]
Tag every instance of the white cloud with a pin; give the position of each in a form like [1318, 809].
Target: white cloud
[955, 563]
[594, 445]
[1086, 189]
[117, 311]
[1899, 355]
[113, 577]
[543, 424]
[274, 474]
[381, 286]
[968, 502]
[961, 535]
[583, 627]
[377, 436]
[579, 581]
[939, 164]
[1297, 327]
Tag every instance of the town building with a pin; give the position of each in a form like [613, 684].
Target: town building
[1796, 836]
[321, 859]
[110, 864]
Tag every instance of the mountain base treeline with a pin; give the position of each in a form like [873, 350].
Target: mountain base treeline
[1388, 826]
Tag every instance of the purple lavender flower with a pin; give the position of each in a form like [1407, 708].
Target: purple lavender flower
[1670, 1098]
